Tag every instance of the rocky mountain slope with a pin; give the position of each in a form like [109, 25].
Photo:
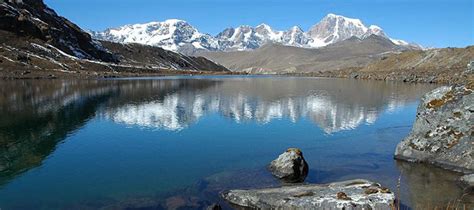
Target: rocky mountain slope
[429, 60]
[36, 42]
[180, 36]
[152, 57]
[277, 58]
[445, 65]
[32, 18]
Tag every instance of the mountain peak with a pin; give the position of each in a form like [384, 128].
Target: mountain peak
[334, 28]
[296, 28]
[375, 27]
[244, 26]
[354, 21]
[264, 28]
[173, 21]
[154, 23]
[332, 15]
[263, 25]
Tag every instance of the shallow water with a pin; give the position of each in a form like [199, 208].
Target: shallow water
[177, 141]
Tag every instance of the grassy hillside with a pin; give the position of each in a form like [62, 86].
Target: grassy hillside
[274, 58]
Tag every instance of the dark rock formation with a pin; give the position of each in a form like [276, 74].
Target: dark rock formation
[443, 131]
[352, 194]
[33, 18]
[290, 166]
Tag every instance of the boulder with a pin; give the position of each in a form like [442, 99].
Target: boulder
[290, 166]
[352, 194]
[443, 131]
[470, 67]
[468, 180]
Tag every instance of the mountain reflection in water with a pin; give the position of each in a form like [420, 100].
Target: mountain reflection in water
[258, 115]
[333, 105]
[36, 115]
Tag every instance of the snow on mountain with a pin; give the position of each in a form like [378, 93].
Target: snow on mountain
[180, 36]
[247, 37]
[171, 35]
[373, 29]
[334, 28]
[267, 33]
[295, 37]
[242, 38]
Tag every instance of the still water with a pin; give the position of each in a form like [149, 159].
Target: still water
[176, 142]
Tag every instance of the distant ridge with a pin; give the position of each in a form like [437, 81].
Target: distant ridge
[278, 58]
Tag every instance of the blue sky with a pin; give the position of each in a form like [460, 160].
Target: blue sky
[434, 23]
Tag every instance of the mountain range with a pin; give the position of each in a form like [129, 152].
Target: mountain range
[180, 36]
[36, 42]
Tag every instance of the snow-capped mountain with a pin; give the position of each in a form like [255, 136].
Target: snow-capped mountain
[180, 36]
[334, 28]
[171, 35]
[247, 37]
[295, 37]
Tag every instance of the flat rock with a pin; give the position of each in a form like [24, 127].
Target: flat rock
[352, 194]
[443, 130]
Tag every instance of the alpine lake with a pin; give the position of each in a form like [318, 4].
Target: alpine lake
[176, 142]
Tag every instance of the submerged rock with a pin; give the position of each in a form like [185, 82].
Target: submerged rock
[352, 194]
[443, 131]
[290, 166]
[214, 206]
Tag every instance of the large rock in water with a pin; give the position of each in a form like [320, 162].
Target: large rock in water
[443, 131]
[290, 166]
[352, 194]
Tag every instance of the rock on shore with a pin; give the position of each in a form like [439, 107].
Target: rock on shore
[443, 131]
[468, 180]
[352, 194]
[290, 166]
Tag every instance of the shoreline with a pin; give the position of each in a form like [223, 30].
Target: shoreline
[444, 78]
[41, 74]
[382, 76]
[450, 76]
